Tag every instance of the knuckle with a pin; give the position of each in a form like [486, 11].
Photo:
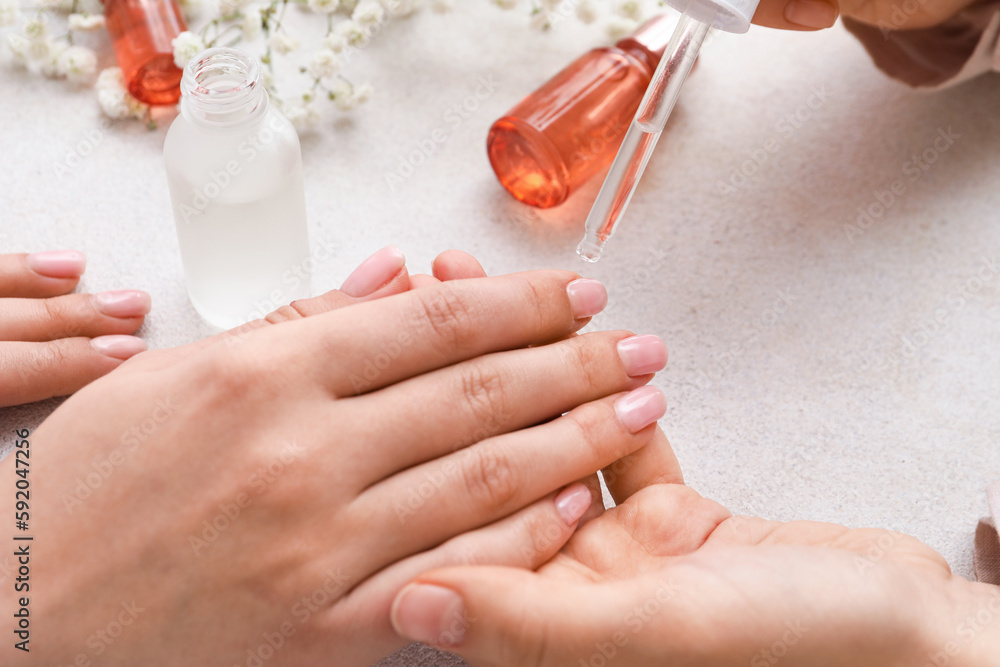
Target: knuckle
[67, 317]
[588, 359]
[489, 480]
[484, 393]
[447, 315]
[284, 314]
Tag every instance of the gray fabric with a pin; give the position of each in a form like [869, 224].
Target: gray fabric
[418, 655]
[987, 560]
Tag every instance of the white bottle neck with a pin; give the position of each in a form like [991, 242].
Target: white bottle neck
[223, 90]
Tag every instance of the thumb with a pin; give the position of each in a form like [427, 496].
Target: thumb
[507, 616]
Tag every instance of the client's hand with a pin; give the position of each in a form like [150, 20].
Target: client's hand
[260, 497]
[53, 342]
[815, 14]
[671, 578]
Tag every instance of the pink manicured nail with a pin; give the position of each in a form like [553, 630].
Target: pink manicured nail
[57, 263]
[374, 272]
[587, 297]
[430, 614]
[641, 407]
[573, 502]
[122, 303]
[811, 13]
[118, 347]
[642, 355]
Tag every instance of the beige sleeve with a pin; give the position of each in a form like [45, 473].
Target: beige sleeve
[963, 47]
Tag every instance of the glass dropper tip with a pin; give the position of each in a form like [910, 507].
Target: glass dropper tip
[589, 251]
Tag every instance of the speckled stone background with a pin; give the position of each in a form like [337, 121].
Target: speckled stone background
[820, 368]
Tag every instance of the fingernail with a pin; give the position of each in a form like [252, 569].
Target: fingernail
[374, 272]
[122, 303]
[641, 407]
[642, 355]
[57, 263]
[573, 502]
[587, 297]
[811, 13]
[118, 347]
[430, 614]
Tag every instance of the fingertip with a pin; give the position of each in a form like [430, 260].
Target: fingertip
[118, 346]
[806, 15]
[456, 265]
[376, 271]
[57, 263]
[431, 614]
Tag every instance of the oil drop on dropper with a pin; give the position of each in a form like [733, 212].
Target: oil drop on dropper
[699, 16]
[234, 167]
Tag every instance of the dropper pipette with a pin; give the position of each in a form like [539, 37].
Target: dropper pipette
[698, 17]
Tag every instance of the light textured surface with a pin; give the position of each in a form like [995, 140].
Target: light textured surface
[831, 402]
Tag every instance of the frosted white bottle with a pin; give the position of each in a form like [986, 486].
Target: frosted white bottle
[234, 167]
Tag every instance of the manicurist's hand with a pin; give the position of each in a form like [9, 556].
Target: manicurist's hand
[262, 496]
[53, 342]
[816, 14]
[671, 578]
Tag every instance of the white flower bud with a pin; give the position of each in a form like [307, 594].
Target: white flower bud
[283, 43]
[186, 46]
[324, 64]
[324, 6]
[85, 21]
[77, 63]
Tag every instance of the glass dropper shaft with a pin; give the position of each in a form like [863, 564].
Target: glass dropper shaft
[640, 140]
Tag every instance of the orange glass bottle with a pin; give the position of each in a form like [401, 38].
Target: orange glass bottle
[570, 129]
[141, 33]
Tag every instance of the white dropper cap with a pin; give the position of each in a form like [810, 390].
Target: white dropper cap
[728, 15]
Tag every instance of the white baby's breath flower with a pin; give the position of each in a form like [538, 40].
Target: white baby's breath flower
[230, 7]
[586, 11]
[49, 64]
[303, 116]
[186, 46]
[283, 43]
[541, 20]
[353, 32]
[85, 21]
[368, 12]
[40, 49]
[335, 42]
[77, 63]
[35, 30]
[324, 64]
[8, 12]
[252, 22]
[115, 101]
[401, 8]
[324, 6]
[18, 47]
[363, 93]
[506, 4]
[620, 26]
[630, 9]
